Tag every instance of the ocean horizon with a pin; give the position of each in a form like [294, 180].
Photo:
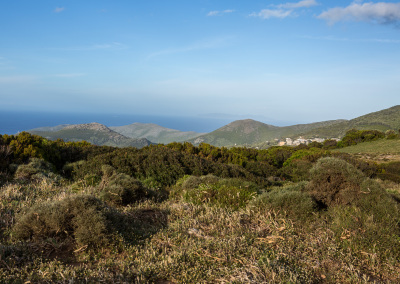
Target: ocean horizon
[13, 122]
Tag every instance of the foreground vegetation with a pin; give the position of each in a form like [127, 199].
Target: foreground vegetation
[182, 214]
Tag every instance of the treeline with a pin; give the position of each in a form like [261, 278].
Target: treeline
[163, 165]
[18, 149]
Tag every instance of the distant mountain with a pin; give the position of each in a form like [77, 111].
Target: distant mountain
[94, 133]
[50, 128]
[154, 133]
[251, 132]
[240, 133]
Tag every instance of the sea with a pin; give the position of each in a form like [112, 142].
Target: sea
[13, 122]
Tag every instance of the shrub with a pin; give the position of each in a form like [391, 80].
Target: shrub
[334, 181]
[5, 156]
[297, 167]
[36, 169]
[80, 219]
[371, 223]
[330, 144]
[227, 193]
[354, 136]
[120, 189]
[368, 168]
[297, 170]
[390, 171]
[391, 134]
[192, 182]
[290, 200]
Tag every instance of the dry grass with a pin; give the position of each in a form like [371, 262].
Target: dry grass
[178, 242]
[379, 151]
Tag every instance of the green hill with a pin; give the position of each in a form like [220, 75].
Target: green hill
[94, 133]
[250, 132]
[381, 120]
[155, 133]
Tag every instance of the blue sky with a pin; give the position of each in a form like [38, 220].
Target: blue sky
[280, 62]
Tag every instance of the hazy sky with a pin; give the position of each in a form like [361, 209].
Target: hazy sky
[300, 61]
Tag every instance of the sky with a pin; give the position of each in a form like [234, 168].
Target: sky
[280, 62]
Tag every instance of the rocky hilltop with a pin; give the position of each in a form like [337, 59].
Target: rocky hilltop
[94, 133]
[89, 126]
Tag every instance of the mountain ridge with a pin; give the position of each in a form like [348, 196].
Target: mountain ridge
[94, 133]
[251, 132]
[246, 132]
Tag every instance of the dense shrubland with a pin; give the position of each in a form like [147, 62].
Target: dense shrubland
[182, 214]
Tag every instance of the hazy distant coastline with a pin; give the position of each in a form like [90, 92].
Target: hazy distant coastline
[12, 122]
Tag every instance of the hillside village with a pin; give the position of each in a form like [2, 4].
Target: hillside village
[301, 140]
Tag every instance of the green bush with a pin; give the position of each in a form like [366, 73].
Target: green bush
[37, 169]
[371, 223]
[192, 182]
[227, 193]
[363, 215]
[79, 219]
[334, 181]
[354, 136]
[120, 189]
[390, 171]
[368, 168]
[291, 200]
[296, 170]
[330, 144]
[391, 134]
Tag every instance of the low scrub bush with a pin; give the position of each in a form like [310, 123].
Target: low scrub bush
[120, 189]
[362, 214]
[291, 200]
[87, 181]
[354, 136]
[368, 168]
[192, 182]
[37, 169]
[297, 170]
[79, 219]
[371, 224]
[391, 134]
[297, 167]
[390, 171]
[335, 182]
[227, 193]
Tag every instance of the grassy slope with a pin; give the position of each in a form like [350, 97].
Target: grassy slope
[380, 120]
[374, 147]
[378, 151]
